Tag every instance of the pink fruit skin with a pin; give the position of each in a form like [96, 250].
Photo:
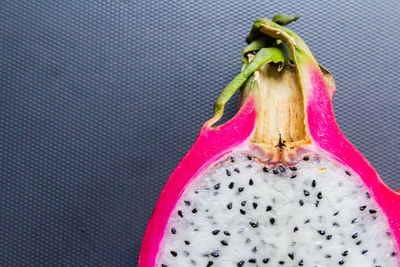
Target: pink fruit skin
[326, 134]
[211, 144]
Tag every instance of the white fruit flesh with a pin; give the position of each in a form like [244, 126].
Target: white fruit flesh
[237, 214]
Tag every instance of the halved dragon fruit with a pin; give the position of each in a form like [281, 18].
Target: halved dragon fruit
[278, 184]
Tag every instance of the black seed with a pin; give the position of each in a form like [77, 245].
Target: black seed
[231, 185]
[319, 195]
[252, 260]
[314, 183]
[336, 224]
[372, 211]
[229, 206]
[214, 254]
[301, 202]
[223, 242]
[265, 169]
[180, 213]
[268, 208]
[328, 237]
[251, 182]
[393, 254]
[240, 263]
[345, 253]
[367, 195]
[249, 166]
[291, 255]
[187, 203]
[295, 229]
[243, 203]
[228, 172]
[272, 220]
[265, 260]
[236, 170]
[196, 192]
[306, 193]
[242, 212]
[358, 243]
[348, 173]
[249, 158]
[282, 169]
[364, 251]
[240, 189]
[316, 203]
[336, 213]
[174, 253]
[187, 242]
[194, 210]
[254, 224]
[306, 158]
[353, 221]
[254, 250]
[255, 205]
[293, 176]
[293, 168]
[163, 265]
[301, 263]
[321, 232]
[216, 187]
[281, 262]
[275, 171]
[232, 159]
[307, 221]
[173, 230]
[210, 263]
[328, 256]
[355, 235]
[227, 233]
[362, 207]
[215, 232]
[341, 262]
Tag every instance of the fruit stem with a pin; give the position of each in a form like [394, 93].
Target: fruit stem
[262, 35]
[274, 30]
[264, 55]
[283, 19]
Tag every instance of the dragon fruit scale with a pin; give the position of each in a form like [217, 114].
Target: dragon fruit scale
[278, 184]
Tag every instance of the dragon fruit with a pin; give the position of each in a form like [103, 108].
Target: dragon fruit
[278, 184]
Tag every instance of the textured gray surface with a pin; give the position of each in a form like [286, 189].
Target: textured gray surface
[101, 99]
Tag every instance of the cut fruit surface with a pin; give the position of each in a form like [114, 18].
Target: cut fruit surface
[315, 213]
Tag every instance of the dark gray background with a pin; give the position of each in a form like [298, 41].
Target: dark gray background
[101, 99]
